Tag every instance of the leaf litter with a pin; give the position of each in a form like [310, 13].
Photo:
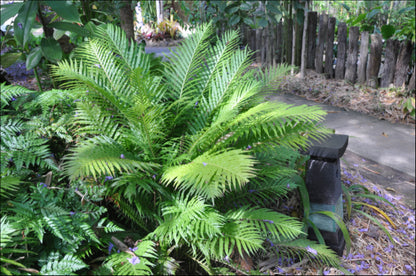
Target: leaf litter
[382, 103]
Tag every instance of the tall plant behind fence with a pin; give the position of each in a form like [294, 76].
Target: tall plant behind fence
[336, 50]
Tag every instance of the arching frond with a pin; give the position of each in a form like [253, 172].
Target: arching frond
[102, 156]
[277, 225]
[210, 175]
[10, 92]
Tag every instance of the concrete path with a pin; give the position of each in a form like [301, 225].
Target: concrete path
[384, 152]
[392, 145]
[159, 51]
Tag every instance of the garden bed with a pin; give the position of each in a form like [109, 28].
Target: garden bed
[382, 103]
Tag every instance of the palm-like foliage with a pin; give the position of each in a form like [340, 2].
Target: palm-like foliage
[187, 138]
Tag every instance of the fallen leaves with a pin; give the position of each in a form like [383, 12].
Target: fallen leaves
[385, 103]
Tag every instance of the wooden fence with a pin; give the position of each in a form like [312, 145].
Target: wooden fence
[357, 58]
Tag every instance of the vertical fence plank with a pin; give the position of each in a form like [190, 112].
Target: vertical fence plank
[279, 43]
[412, 81]
[298, 38]
[268, 46]
[329, 54]
[402, 63]
[376, 47]
[263, 46]
[287, 35]
[351, 68]
[311, 42]
[273, 44]
[362, 64]
[253, 40]
[342, 51]
[392, 49]
[258, 45]
[320, 48]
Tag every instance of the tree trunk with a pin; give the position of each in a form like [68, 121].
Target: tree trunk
[126, 20]
[402, 65]
[362, 66]
[312, 20]
[375, 60]
[351, 69]
[329, 54]
[342, 51]
[392, 49]
[86, 9]
[304, 45]
[45, 20]
[322, 37]
[159, 11]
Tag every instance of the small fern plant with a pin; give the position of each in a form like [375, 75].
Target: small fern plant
[195, 156]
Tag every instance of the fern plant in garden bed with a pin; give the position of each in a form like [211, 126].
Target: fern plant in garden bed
[189, 152]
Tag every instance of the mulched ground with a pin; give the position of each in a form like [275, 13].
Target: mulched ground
[382, 103]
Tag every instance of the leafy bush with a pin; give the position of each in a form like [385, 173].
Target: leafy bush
[193, 157]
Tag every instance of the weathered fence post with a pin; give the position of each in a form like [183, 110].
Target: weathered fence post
[268, 47]
[298, 37]
[258, 45]
[412, 80]
[312, 18]
[329, 53]
[273, 44]
[375, 60]
[402, 64]
[392, 49]
[362, 65]
[263, 45]
[253, 39]
[342, 51]
[323, 182]
[279, 43]
[320, 48]
[351, 70]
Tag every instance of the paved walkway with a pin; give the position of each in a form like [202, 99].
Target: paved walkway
[384, 151]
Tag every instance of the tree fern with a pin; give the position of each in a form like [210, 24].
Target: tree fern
[182, 143]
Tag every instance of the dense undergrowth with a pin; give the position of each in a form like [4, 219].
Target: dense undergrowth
[137, 166]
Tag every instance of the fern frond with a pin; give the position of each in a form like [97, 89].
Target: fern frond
[177, 217]
[66, 266]
[210, 175]
[237, 235]
[318, 253]
[9, 185]
[126, 264]
[131, 55]
[28, 149]
[279, 226]
[8, 92]
[102, 156]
